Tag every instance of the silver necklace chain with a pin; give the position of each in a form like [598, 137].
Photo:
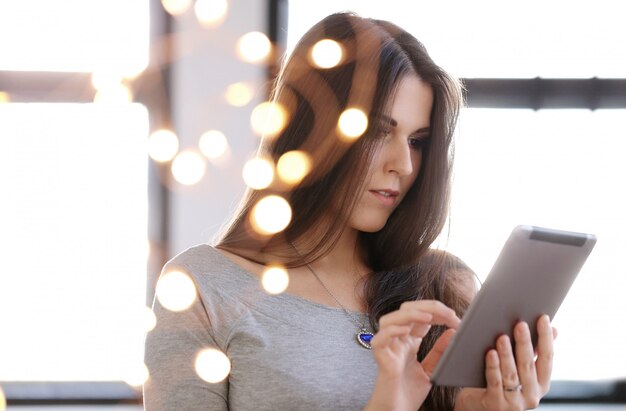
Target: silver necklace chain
[346, 312]
[363, 335]
[360, 324]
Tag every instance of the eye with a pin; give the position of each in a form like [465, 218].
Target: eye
[418, 143]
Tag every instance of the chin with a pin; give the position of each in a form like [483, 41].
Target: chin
[371, 227]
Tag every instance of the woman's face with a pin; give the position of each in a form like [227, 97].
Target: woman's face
[397, 162]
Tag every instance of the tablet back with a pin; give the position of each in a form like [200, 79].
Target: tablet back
[531, 277]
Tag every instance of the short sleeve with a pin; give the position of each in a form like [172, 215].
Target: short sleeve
[171, 349]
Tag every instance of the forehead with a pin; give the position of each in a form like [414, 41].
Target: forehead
[411, 103]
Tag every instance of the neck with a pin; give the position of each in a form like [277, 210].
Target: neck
[346, 258]
[340, 272]
[344, 265]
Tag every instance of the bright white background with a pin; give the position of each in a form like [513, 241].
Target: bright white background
[498, 38]
[555, 168]
[73, 240]
[74, 35]
[74, 203]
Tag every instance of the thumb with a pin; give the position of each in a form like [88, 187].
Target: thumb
[435, 353]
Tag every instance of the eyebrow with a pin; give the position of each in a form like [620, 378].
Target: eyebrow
[394, 123]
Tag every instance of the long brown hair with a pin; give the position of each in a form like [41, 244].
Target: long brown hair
[377, 54]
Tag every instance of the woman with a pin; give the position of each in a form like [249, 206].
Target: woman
[356, 251]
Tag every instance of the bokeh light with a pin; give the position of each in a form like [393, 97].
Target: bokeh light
[188, 167]
[258, 173]
[105, 80]
[176, 7]
[133, 71]
[254, 47]
[162, 145]
[175, 291]
[270, 215]
[4, 97]
[212, 365]
[275, 279]
[137, 376]
[293, 166]
[114, 94]
[147, 248]
[213, 144]
[149, 319]
[211, 13]
[352, 123]
[3, 400]
[239, 94]
[268, 119]
[326, 53]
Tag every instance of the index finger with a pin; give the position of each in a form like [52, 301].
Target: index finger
[441, 313]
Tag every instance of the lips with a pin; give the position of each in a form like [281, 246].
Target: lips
[386, 196]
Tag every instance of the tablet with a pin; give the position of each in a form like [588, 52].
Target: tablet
[530, 277]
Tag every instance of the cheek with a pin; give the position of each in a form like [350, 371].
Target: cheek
[417, 166]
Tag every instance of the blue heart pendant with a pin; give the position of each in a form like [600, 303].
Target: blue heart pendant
[364, 338]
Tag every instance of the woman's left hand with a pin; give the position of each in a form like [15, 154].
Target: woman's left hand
[514, 382]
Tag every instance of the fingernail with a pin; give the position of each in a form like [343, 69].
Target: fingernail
[503, 340]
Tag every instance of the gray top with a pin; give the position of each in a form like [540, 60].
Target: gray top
[286, 352]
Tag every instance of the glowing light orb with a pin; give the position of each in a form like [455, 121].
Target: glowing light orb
[4, 97]
[258, 173]
[176, 7]
[137, 376]
[149, 319]
[268, 119]
[103, 80]
[254, 47]
[271, 215]
[114, 94]
[132, 71]
[326, 53]
[352, 123]
[175, 291]
[239, 94]
[212, 365]
[293, 166]
[188, 167]
[275, 280]
[211, 13]
[147, 248]
[162, 145]
[213, 144]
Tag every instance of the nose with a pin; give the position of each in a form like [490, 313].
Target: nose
[398, 157]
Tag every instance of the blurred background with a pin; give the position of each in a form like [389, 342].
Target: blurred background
[126, 127]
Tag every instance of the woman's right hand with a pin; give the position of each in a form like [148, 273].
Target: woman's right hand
[403, 382]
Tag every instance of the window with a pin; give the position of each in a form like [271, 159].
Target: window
[559, 169]
[496, 39]
[74, 213]
[556, 167]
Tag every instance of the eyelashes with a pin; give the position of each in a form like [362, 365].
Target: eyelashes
[418, 143]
